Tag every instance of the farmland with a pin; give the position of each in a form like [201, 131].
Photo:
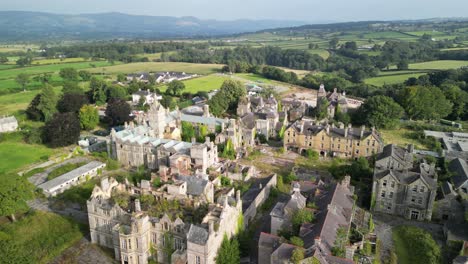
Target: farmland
[392, 79]
[11, 103]
[159, 66]
[205, 83]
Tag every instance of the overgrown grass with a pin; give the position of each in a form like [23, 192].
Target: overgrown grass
[205, 83]
[160, 66]
[414, 245]
[15, 153]
[11, 103]
[37, 238]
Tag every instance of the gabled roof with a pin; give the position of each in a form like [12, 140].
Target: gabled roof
[460, 167]
[197, 235]
[335, 208]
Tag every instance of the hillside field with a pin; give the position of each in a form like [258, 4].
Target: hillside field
[159, 66]
[205, 83]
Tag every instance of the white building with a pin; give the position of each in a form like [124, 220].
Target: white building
[8, 124]
[72, 178]
[149, 96]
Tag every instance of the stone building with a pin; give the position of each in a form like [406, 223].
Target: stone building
[282, 212]
[255, 111]
[135, 236]
[8, 124]
[334, 209]
[340, 100]
[328, 140]
[402, 186]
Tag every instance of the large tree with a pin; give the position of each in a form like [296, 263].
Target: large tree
[89, 117]
[381, 112]
[69, 74]
[116, 91]
[62, 130]
[425, 103]
[459, 99]
[176, 87]
[118, 112]
[14, 192]
[71, 87]
[227, 97]
[47, 102]
[32, 112]
[229, 252]
[85, 75]
[97, 91]
[71, 102]
[22, 79]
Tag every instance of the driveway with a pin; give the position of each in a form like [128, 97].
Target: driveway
[40, 178]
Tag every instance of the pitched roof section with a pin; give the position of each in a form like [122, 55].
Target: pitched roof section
[197, 235]
[460, 167]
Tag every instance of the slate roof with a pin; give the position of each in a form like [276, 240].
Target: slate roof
[195, 185]
[399, 154]
[70, 175]
[252, 193]
[284, 252]
[197, 235]
[307, 127]
[460, 167]
[406, 176]
[334, 210]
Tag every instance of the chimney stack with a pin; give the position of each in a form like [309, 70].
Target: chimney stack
[137, 205]
[363, 128]
[194, 140]
[206, 110]
[211, 227]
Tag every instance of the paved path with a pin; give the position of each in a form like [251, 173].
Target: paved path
[40, 178]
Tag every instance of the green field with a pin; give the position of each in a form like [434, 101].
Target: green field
[391, 79]
[57, 61]
[438, 65]
[205, 83]
[160, 66]
[32, 70]
[254, 77]
[427, 32]
[15, 154]
[11, 103]
[38, 238]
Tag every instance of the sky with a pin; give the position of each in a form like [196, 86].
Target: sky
[300, 10]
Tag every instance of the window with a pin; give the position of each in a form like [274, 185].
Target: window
[391, 195]
[197, 260]
[413, 199]
[383, 194]
[392, 184]
[419, 200]
[129, 243]
[124, 243]
[415, 188]
[389, 207]
[384, 183]
[422, 189]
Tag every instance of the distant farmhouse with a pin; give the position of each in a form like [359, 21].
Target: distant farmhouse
[8, 124]
[160, 77]
[148, 97]
[403, 186]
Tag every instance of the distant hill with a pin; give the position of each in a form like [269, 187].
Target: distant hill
[20, 25]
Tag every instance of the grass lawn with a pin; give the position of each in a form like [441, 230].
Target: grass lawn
[38, 237]
[401, 137]
[15, 154]
[160, 66]
[205, 83]
[254, 77]
[11, 103]
[391, 79]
